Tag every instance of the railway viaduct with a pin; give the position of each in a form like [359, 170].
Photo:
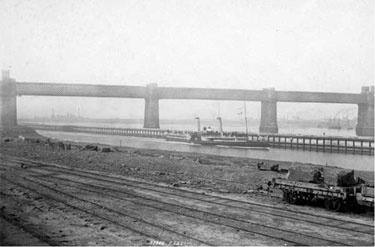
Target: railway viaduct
[10, 89]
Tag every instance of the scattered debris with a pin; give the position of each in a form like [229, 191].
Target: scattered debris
[223, 191]
[275, 168]
[204, 161]
[259, 187]
[267, 167]
[61, 145]
[343, 178]
[261, 166]
[7, 139]
[175, 157]
[282, 170]
[106, 150]
[91, 147]
[302, 174]
[135, 169]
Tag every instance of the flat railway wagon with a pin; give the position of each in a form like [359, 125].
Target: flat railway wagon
[334, 197]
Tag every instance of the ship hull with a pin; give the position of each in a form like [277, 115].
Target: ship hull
[218, 141]
[177, 138]
[234, 143]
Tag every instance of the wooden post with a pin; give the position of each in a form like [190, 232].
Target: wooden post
[310, 143]
[330, 140]
[291, 143]
[353, 147]
[346, 146]
[285, 142]
[324, 145]
[370, 149]
[303, 147]
[297, 142]
[361, 147]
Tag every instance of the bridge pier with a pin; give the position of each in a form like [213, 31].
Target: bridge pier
[8, 101]
[151, 119]
[365, 124]
[268, 117]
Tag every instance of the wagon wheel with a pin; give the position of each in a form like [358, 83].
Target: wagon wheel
[309, 198]
[333, 204]
[327, 203]
[292, 197]
[336, 205]
[303, 198]
[285, 195]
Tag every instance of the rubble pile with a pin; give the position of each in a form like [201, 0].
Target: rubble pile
[327, 175]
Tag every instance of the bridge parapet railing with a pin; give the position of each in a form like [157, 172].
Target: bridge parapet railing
[102, 130]
[332, 144]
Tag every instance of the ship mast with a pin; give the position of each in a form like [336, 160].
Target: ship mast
[220, 120]
[198, 124]
[220, 126]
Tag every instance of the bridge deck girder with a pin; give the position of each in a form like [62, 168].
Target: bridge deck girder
[90, 90]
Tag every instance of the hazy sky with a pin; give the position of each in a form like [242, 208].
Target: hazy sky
[292, 45]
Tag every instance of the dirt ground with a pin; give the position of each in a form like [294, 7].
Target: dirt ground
[210, 172]
[238, 178]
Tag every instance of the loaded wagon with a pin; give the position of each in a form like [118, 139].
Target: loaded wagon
[334, 196]
[356, 193]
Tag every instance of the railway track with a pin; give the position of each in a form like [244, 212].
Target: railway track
[268, 209]
[100, 211]
[330, 222]
[287, 226]
[120, 219]
[28, 229]
[205, 216]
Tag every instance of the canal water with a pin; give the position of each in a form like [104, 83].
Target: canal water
[350, 161]
[228, 127]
